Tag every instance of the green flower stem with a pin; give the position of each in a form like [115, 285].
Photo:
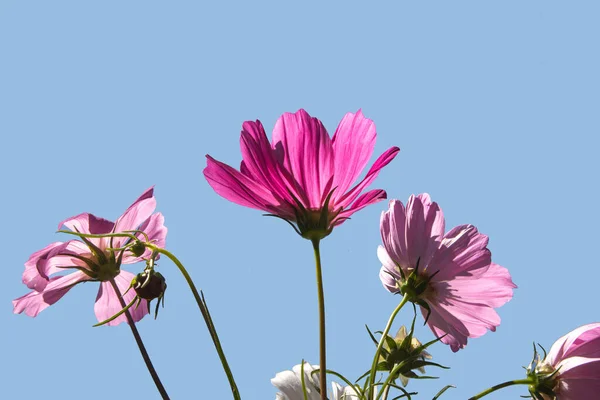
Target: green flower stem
[380, 345]
[140, 343]
[385, 388]
[205, 314]
[321, 298]
[526, 381]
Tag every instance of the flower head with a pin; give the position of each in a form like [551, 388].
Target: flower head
[92, 259]
[290, 384]
[571, 369]
[303, 176]
[450, 275]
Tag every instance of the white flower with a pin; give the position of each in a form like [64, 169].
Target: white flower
[290, 385]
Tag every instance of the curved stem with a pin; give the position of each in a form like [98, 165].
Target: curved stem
[321, 298]
[205, 314]
[381, 342]
[140, 343]
[500, 386]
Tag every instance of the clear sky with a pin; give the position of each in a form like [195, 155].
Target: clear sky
[494, 105]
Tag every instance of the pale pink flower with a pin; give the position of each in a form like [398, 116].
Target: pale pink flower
[456, 284]
[303, 176]
[571, 369]
[93, 262]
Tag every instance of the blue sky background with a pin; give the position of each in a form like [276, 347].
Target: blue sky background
[494, 105]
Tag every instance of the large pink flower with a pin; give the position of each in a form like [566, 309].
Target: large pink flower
[571, 370]
[451, 275]
[92, 261]
[304, 176]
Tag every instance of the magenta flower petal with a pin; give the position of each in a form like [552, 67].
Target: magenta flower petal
[301, 169]
[260, 165]
[381, 162]
[303, 146]
[88, 223]
[35, 302]
[236, 187]
[108, 304]
[353, 145]
[455, 278]
[371, 197]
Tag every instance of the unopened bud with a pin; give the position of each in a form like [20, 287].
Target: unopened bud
[149, 285]
[138, 248]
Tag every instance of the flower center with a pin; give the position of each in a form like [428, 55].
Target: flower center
[314, 224]
[107, 271]
[414, 285]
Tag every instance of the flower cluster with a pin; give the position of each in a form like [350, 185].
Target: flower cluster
[312, 181]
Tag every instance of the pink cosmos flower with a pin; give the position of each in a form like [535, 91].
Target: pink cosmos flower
[571, 369]
[90, 260]
[303, 176]
[450, 275]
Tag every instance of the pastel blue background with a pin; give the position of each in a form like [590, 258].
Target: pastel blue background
[494, 105]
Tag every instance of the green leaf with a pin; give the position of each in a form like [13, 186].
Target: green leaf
[441, 392]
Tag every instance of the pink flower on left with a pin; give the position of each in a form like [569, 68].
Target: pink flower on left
[92, 262]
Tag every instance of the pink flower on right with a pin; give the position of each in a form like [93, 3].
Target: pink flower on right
[450, 275]
[576, 359]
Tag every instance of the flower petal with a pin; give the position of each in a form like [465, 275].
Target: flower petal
[393, 233]
[303, 147]
[345, 199]
[135, 215]
[108, 304]
[259, 163]
[462, 252]
[424, 229]
[579, 378]
[446, 326]
[290, 383]
[52, 259]
[353, 144]
[583, 342]
[157, 234]
[388, 279]
[494, 288]
[89, 223]
[371, 197]
[238, 188]
[35, 302]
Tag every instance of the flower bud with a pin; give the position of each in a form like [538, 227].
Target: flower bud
[149, 285]
[138, 248]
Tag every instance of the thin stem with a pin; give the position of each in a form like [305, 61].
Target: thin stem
[205, 314]
[140, 343]
[322, 346]
[386, 385]
[386, 392]
[526, 381]
[381, 342]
